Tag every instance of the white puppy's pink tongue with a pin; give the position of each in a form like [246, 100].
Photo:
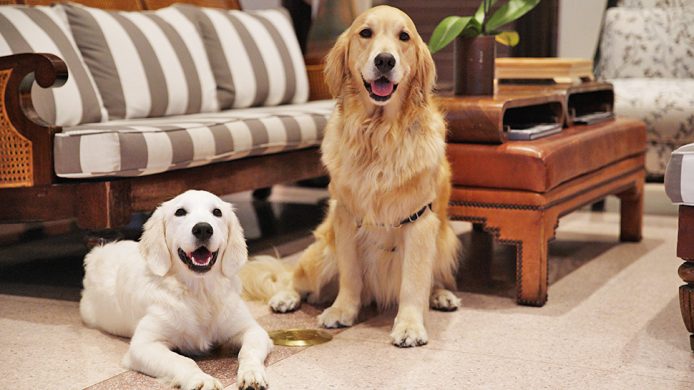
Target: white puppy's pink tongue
[201, 256]
[381, 87]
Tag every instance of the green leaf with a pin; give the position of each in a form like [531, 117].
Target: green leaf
[479, 15]
[446, 31]
[509, 12]
[473, 29]
[508, 38]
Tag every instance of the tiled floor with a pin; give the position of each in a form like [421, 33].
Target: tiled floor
[612, 320]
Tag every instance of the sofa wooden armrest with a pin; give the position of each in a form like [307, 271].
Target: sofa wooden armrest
[26, 140]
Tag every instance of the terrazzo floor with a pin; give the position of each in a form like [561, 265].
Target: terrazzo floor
[612, 320]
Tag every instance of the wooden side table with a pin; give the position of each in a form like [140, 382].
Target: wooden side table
[518, 190]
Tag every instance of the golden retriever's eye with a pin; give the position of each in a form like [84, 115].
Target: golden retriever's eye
[404, 36]
[180, 212]
[217, 212]
[366, 33]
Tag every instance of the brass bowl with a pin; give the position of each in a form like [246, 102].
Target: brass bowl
[299, 337]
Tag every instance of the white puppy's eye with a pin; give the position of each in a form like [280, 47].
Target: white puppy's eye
[404, 36]
[180, 212]
[217, 212]
[366, 33]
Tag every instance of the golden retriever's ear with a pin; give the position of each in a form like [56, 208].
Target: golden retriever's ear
[153, 245]
[236, 253]
[424, 75]
[336, 67]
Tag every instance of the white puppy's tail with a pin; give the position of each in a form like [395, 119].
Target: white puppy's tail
[264, 276]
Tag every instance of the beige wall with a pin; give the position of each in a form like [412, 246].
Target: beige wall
[579, 27]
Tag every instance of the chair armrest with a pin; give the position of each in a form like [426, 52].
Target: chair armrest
[316, 81]
[25, 139]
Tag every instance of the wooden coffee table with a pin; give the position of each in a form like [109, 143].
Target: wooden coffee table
[518, 190]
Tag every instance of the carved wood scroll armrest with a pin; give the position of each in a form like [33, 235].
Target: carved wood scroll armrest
[26, 141]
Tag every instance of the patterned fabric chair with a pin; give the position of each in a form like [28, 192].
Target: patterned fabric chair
[647, 52]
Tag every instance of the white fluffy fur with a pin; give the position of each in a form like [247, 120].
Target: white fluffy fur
[144, 291]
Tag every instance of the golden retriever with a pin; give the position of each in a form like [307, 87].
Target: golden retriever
[386, 237]
[169, 291]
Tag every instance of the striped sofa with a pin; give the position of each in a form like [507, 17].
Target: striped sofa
[149, 99]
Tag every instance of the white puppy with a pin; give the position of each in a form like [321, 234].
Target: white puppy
[177, 289]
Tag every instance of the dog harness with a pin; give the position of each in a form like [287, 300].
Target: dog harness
[412, 218]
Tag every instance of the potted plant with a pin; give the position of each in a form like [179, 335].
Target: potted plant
[475, 39]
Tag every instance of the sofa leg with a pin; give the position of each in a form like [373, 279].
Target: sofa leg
[262, 193]
[598, 206]
[631, 210]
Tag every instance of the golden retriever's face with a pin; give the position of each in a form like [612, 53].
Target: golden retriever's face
[380, 55]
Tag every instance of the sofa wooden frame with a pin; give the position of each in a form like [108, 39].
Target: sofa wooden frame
[685, 251]
[30, 190]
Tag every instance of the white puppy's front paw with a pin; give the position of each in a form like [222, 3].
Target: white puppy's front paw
[285, 301]
[251, 378]
[444, 300]
[337, 317]
[408, 334]
[201, 381]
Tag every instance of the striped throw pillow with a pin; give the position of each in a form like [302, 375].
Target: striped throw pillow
[255, 56]
[44, 30]
[145, 64]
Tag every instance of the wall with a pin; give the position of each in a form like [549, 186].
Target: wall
[579, 27]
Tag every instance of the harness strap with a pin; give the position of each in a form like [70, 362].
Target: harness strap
[412, 218]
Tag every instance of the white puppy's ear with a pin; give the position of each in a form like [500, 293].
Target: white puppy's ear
[236, 252]
[153, 245]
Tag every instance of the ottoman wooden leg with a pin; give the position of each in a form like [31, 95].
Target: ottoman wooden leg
[631, 210]
[530, 231]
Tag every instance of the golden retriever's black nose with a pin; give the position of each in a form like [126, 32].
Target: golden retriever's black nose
[202, 231]
[384, 62]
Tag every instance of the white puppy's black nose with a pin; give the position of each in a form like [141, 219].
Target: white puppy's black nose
[384, 62]
[202, 231]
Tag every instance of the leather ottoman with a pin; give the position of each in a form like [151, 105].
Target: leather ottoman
[518, 190]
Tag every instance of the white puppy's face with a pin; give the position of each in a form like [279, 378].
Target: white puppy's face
[192, 232]
[196, 229]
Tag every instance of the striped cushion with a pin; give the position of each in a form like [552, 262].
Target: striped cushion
[147, 146]
[145, 64]
[255, 56]
[43, 30]
[679, 176]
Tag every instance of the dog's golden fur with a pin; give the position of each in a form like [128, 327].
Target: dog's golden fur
[386, 161]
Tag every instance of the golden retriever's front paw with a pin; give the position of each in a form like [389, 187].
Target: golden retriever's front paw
[408, 334]
[336, 317]
[201, 381]
[252, 378]
[444, 300]
[285, 301]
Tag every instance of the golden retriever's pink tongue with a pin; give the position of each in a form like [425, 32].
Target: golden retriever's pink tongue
[201, 256]
[381, 87]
